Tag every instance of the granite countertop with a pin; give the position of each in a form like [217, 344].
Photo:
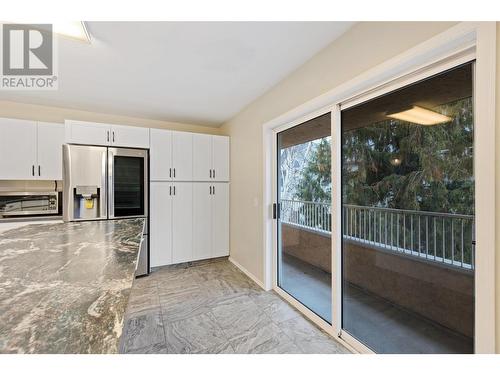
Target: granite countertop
[64, 287]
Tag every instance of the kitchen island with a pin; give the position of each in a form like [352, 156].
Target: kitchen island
[64, 287]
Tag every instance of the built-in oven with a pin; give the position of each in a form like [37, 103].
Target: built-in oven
[127, 182]
[14, 204]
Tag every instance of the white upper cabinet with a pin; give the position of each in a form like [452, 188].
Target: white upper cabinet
[129, 136]
[220, 158]
[30, 150]
[171, 155]
[202, 157]
[18, 146]
[210, 158]
[49, 151]
[94, 133]
[160, 155]
[87, 133]
[182, 156]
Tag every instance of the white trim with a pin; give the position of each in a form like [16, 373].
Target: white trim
[454, 43]
[325, 326]
[248, 273]
[484, 173]
[336, 239]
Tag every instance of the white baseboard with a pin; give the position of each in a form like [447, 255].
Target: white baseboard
[248, 273]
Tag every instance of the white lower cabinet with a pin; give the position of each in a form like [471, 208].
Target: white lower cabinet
[202, 220]
[182, 222]
[160, 228]
[189, 221]
[220, 219]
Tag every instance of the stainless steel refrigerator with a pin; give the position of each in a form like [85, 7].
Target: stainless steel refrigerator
[103, 183]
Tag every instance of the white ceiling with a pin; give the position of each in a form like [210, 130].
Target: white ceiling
[199, 72]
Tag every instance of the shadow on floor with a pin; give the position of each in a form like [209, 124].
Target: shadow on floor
[381, 325]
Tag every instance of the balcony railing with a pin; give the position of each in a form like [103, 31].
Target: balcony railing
[439, 237]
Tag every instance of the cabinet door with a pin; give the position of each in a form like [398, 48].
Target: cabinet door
[202, 157]
[202, 220]
[17, 149]
[87, 133]
[220, 158]
[220, 219]
[160, 217]
[182, 156]
[182, 222]
[50, 141]
[160, 155]
[129, 136]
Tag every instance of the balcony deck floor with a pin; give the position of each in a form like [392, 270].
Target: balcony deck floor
[388, 328]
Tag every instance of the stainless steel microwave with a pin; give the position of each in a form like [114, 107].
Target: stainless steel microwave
[14, 203]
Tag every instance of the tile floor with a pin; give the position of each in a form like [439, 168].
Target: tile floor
[212, 307]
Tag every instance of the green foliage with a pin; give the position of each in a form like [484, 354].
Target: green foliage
[397, 164]
[315, 184]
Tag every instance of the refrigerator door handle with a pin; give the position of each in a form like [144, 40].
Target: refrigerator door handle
[104, 184]
[111, 186]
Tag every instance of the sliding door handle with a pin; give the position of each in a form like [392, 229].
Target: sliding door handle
[276, 212]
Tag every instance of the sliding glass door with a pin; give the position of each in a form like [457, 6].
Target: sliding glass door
[408, 217]
[304, 214]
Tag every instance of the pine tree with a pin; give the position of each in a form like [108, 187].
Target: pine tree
[315, 184]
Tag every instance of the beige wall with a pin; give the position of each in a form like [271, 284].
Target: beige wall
[57, 114]
[497, 189]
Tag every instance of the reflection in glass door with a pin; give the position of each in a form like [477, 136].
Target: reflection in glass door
[408, 217]
[304, 219]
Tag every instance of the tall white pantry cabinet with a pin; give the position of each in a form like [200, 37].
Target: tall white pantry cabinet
[189, 197]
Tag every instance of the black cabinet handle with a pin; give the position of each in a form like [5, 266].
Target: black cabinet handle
[214, 173]
[210, 189]
[39, 171]
[33, 170]
[170, 190]
[213, 189]
[113, 135]
[174, 177]
[108, 135]
[174, 190]
[210, 173]
[169, 172]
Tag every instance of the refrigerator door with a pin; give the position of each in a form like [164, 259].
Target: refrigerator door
[85, 183]
[128, 183]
